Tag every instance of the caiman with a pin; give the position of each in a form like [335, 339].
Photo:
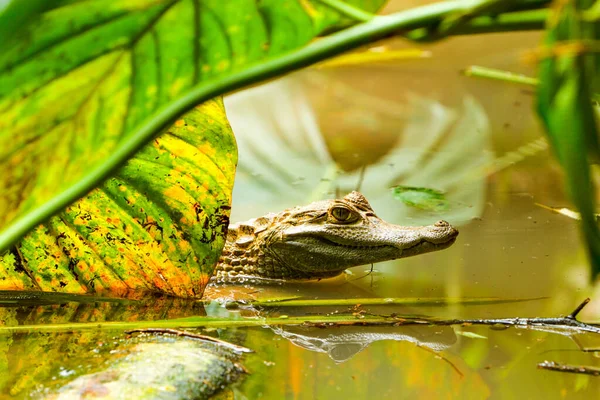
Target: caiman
[321, 240]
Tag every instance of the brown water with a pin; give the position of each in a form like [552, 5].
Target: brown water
[417, 123]
[490, 159]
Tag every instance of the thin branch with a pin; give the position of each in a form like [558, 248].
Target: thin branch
[574, 369]
[440, 355]
[584, 303]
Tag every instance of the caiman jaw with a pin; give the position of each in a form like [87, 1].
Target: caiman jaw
[322, 240]
[329, 249]
[439, 235]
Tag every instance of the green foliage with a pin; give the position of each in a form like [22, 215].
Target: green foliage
[569, 75]
[158, 225]
[422, 198]
[81, 85]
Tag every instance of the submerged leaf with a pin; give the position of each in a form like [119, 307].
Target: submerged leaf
[158, 225]
[422, 198]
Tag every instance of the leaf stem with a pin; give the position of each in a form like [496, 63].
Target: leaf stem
[499, 75]
[348, 10]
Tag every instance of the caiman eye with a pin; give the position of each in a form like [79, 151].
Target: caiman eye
[342, 214]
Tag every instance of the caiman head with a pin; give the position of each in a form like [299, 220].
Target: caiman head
[323, 239]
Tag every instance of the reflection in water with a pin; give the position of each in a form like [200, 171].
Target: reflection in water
[144, 367]
[306, 137]
[284, 160]
[343, 343]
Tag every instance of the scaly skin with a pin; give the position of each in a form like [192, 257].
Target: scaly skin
[321, 240]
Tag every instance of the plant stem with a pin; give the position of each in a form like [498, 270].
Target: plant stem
[567, 324]
[440, 301]
[575, 369]
[499, 75]
[532, 20]
[348, 10]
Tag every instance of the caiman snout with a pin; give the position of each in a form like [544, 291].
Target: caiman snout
[441, 232]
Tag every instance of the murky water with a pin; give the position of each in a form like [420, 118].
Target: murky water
[415, 123]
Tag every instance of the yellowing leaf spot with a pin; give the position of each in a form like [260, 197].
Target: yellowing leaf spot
[184, 246]
[79, 221]
[123, 188]
[151, 90]
[179, 123]
[223, 65]
[176, 87]
[207, 149]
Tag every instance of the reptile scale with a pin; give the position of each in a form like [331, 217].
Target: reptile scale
[321, 240]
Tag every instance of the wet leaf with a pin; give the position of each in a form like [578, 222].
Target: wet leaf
[80, 83]
[158, 225]
[422, 198]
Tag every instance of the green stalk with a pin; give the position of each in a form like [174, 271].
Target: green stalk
[377, 28]
[508, 22]
[499, 75]
[203, 322]
[348, 10]
[408, 301]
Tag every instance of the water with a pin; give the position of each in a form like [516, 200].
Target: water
[415, 123]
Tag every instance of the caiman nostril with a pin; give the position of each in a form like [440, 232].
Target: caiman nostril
[442, 224]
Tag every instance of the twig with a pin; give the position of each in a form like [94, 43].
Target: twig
[177, 332]
[574, 369]
[573, 315]
[440, 355]
[569, 322]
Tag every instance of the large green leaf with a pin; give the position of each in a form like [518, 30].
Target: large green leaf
[81, 80]
[158, 225]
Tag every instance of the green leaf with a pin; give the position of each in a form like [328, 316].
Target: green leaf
[422, 198]
[158, 225]
[569, 73]
[81, 85]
